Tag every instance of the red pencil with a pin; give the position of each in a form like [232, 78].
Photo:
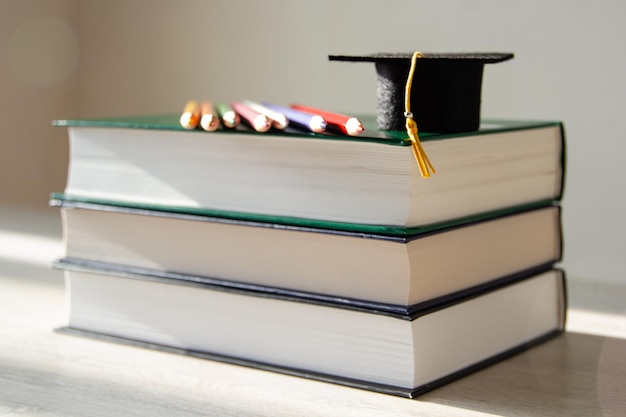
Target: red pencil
[349, 125]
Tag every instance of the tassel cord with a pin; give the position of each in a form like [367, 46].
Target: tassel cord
[411, 127]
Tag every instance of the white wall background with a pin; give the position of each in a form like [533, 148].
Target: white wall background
[77, 58]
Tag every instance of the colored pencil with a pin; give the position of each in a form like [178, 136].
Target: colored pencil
[191, 115]
[347, 124]
[279, 120]
[229, 117]
[313, 122]
[209, 120]
[258, 121]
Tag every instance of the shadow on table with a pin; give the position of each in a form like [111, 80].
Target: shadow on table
[568, 376]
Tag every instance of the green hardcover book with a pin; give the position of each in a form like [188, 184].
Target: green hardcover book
[370, 179]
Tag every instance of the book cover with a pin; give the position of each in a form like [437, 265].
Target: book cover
[380, 231]
[371, 133]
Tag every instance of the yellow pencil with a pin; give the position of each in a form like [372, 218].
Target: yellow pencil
[208, 118]
[191, 115]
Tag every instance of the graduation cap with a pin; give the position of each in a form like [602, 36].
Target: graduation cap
[446, 90]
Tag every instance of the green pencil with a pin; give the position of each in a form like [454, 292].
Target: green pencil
[229, 117]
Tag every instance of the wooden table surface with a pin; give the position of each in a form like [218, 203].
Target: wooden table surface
[43, 373]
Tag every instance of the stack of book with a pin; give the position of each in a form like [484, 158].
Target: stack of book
[325, 256]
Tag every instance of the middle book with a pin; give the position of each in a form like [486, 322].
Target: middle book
[376, 267]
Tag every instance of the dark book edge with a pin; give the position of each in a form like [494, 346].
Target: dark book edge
[322, 377]
[563, 162]
[564, 300]
[401, 234]
[254, 290]
[560, 237]
[417, 310]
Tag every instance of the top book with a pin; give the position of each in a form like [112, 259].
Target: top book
[370, 179]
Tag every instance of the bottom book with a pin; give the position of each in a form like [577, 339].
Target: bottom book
[374, 350]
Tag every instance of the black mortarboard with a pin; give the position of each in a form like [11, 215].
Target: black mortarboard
[446, 90]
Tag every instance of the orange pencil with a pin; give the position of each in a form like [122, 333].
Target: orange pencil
[258, 121]
[208, 118]
[349, 125]
[191, 115]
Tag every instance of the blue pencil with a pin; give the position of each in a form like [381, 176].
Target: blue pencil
[313, 122]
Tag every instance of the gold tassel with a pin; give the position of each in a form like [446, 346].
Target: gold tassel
[411, 127]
